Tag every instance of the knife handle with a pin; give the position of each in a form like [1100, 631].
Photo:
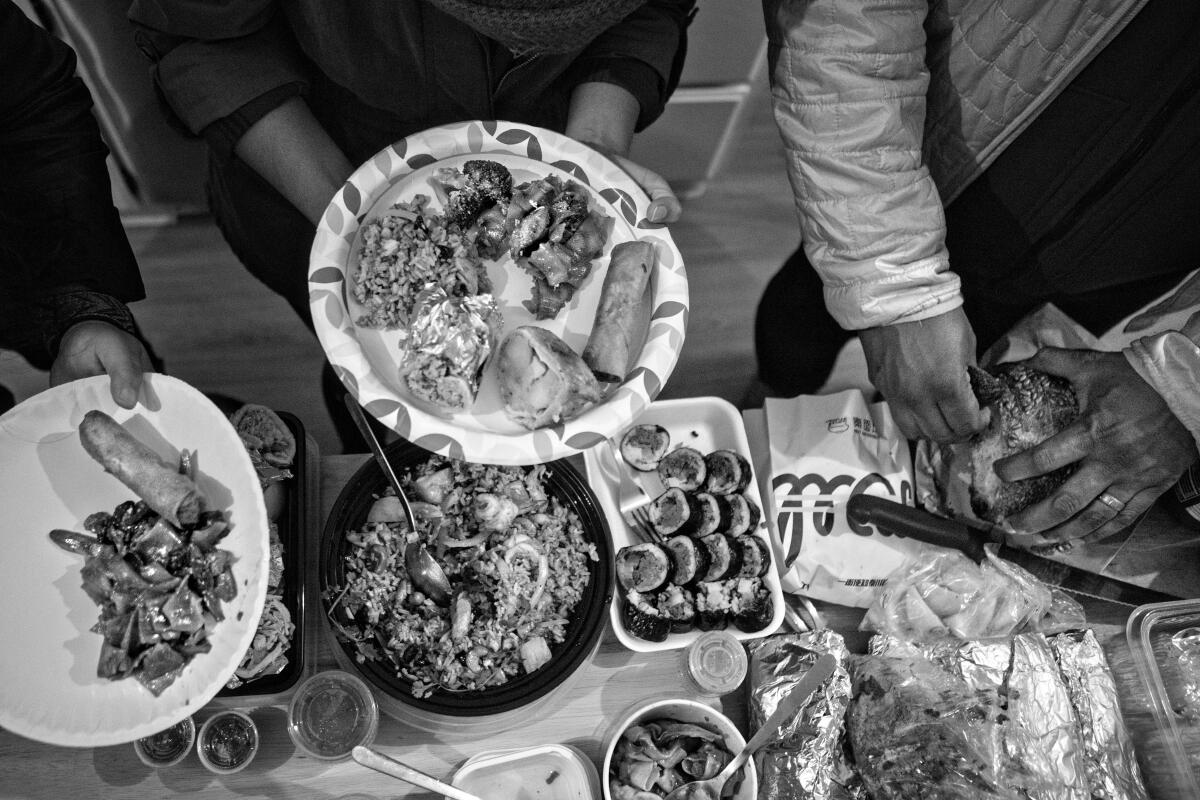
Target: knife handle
[915, 523]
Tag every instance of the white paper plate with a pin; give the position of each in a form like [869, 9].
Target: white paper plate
[49, 690]
[707, 424]
[367, 360]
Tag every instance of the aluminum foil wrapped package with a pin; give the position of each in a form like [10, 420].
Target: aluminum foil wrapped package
[449, 339]
[919, 732]
[807, 757]
[1041, 745]
[1046, 742]
[1112, 767]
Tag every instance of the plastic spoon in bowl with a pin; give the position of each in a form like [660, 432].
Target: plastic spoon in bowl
[427, 575]
[389, 766]
[710, 789]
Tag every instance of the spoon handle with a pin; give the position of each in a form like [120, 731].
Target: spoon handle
[388, 766]
[364, 427]
[818, 674]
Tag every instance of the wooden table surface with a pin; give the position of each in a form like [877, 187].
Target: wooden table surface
[616, 680]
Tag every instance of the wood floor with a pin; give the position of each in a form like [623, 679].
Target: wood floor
[220, 330]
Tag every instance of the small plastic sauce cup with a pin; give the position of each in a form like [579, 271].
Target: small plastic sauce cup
[228, 742]
[715, 663]
[167, 747]
[331, 713]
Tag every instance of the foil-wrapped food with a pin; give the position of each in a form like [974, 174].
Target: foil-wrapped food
[919, 731]
[807, 757]
[1112, 767]
[449, 340]
[1023, 717]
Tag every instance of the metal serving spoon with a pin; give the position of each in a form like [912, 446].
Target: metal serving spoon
[426, 573]
[710, 789]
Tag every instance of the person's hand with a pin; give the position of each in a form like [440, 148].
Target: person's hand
[1128, 445]
[93, 347]
[602, 116]
[920, 368]
[665, 207]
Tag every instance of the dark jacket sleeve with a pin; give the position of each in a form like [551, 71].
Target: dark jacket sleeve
[212, 59]
[56, 210]
[642, 53]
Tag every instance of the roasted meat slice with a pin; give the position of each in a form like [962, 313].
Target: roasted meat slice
[568, 211]
[529, 232]
[1027, 407]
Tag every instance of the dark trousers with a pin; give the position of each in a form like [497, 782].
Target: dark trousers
[1092, 208]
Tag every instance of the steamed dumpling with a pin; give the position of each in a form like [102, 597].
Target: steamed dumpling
[542, 380]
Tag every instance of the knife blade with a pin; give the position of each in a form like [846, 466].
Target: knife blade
[916, 523]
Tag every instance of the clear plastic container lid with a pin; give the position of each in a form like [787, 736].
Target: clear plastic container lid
[1164, 639]
[549, 772]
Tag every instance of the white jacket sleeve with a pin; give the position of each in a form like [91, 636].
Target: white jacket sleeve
[1170, 362]
[848, 88]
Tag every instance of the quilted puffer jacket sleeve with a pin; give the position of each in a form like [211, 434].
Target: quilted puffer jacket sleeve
[848, 85]
[1170, 362]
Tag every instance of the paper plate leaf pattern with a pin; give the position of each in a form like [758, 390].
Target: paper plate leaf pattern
[352, 199]
[326, 275]
[333, 218]
[582, 441]
[577, 172]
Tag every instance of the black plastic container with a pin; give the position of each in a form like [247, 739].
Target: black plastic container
[582, 633]
[292, 523]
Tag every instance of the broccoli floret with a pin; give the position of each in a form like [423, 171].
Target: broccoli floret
[463, 206]
[491, 179]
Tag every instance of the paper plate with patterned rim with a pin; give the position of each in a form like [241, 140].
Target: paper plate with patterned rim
[367, 360]
[49, 690]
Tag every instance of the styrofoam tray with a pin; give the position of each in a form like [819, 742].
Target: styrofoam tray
[705, 423]
[557, 771]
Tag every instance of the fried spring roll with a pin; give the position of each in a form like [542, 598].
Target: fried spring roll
[172, 495]
[611, 339]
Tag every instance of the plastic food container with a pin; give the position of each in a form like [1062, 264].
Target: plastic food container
[332, 713]
[292, 524]
[228, 742]
[697, 713]
[167, 747]
[705, 424]
[553, 772]
[1164, 639]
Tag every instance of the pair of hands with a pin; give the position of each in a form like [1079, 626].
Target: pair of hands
[1126, 442]
[98, 348]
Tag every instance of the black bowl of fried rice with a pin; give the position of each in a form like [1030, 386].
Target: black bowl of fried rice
[544, 574]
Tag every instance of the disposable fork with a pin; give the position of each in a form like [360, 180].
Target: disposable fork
[633, 502]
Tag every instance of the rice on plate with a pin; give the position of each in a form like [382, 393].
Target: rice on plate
[517, 560]
[407, 248]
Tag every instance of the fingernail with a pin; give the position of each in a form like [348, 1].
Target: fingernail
[657, 213]
[125, 397]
